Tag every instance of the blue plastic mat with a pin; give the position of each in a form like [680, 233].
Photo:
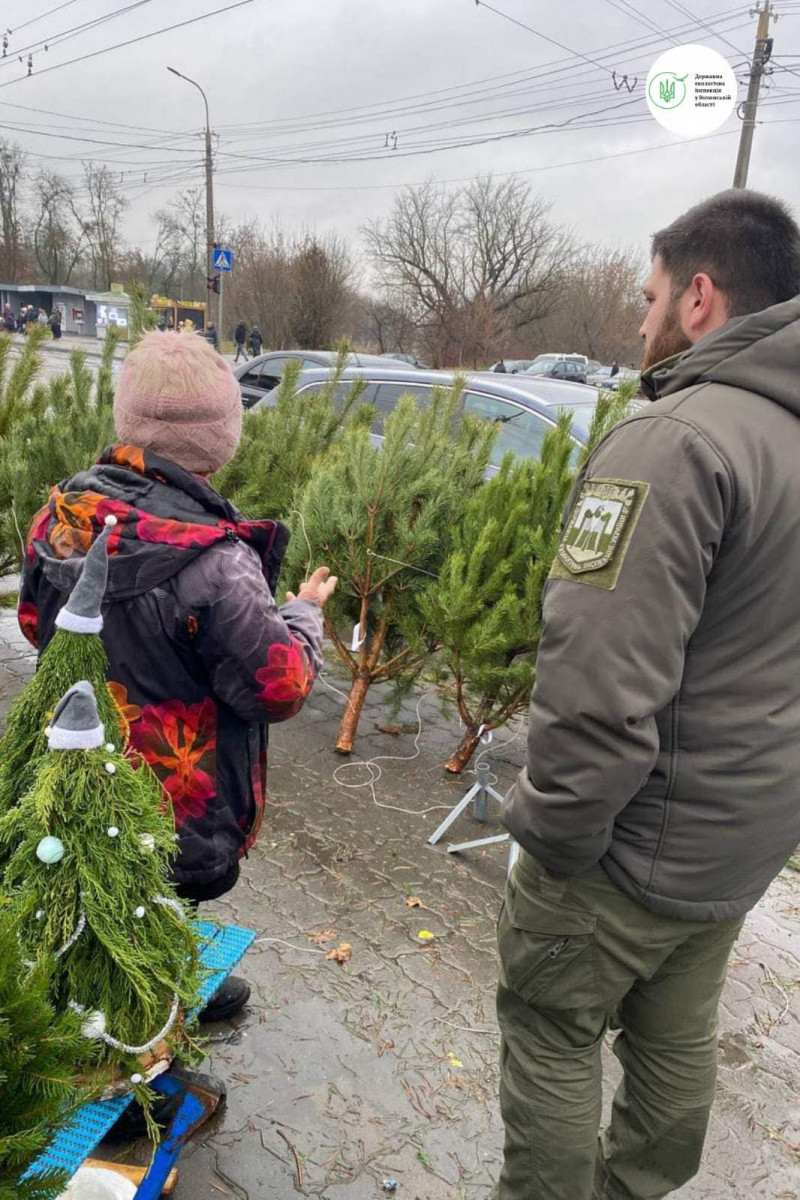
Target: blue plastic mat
[224, 946]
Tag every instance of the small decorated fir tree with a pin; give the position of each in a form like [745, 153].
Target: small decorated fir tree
[41, 1053]
[76, 651]
[87, 873]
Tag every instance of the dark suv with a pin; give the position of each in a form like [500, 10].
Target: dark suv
[260, 375]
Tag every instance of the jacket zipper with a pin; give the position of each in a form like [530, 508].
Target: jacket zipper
[554, 951]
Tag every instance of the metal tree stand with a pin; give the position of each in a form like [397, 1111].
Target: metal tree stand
[478, 796]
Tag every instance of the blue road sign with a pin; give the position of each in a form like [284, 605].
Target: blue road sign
[223, 260]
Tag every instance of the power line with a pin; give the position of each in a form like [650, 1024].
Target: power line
[66, 34]
[681, 8]
[575, 162]
[49, 13]
[133, 41]
[629, 10]
[49, 112]
[545, 37]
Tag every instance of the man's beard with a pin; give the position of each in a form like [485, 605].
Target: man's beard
[669, 340]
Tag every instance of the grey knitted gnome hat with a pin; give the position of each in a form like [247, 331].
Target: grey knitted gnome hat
[75, 724]
[81, 613]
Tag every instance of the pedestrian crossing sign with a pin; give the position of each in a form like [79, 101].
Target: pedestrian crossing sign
[223, 259]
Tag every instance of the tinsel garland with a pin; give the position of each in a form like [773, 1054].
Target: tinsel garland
[135, 952]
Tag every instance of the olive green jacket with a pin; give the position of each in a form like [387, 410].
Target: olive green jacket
[664, 734]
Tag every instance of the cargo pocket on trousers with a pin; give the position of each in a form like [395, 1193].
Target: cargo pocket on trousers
[547, 950]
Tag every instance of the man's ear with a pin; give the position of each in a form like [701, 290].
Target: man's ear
[704, 307]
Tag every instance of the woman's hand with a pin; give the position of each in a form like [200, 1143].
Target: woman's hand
[318, 589]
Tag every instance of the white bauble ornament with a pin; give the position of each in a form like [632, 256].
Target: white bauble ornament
[112, 831]
[39, 914]
[137, 1078]
[50, 850]
[95, 1024]
[147, 842]
[110, 747]
[139, 912]
[112, 770]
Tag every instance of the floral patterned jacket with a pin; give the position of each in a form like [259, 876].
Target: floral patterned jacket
[201, 659]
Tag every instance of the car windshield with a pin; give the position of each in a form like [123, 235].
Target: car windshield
[540, 368]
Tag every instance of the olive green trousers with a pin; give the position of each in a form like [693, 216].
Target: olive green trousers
[579, 956]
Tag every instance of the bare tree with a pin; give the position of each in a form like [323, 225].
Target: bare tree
[12, 166]
[58, 241]
[471, 265]
[600, 307]
[100, 221]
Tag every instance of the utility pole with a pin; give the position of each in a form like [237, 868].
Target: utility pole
[761, 56]
[213, 305]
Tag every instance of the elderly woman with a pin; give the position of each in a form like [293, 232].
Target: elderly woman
[201, 659]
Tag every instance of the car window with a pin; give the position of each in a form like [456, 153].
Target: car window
[311, 364]
[342, 391]
[387, 395]
[521, 430]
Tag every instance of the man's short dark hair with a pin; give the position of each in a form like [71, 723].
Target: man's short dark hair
[748, 243]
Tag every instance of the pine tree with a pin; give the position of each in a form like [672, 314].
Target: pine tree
[71, 654]
[57, 429]
[41, 1055]
[382, 520]
[281, 444]
[486, 608]
[87, 873]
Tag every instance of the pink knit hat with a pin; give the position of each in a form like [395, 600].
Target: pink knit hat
[177, 397]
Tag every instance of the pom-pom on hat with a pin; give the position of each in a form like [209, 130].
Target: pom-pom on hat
[177, 397]
[82, 612]
[75, 724]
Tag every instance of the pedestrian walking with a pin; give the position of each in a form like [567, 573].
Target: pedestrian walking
[55, 323]
[42, 318]
[239, 337]
[211, 335]
[256, 341]
[660, 795]
[9, 320]
[614, 368]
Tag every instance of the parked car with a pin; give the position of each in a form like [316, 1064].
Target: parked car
[625, 373]
[405, 358]
[260, 375]
[511, 366]
[571, 369]
[578, 358]
[525, 406]
[599, 378]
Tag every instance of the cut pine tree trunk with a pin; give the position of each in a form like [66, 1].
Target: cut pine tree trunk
[460, 757]
[352, 713]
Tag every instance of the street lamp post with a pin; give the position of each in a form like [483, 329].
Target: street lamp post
[209, 203]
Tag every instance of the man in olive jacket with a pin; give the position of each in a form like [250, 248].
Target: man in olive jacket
[662, 790]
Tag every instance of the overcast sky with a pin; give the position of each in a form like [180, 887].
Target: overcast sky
[319, 81]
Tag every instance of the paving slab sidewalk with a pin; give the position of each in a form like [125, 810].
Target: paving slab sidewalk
[344, 1077]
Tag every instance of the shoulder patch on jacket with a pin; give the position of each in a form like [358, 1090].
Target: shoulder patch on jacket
[599, 531]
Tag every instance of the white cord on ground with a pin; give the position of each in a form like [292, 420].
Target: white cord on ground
[375, 773]
[301, 949]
